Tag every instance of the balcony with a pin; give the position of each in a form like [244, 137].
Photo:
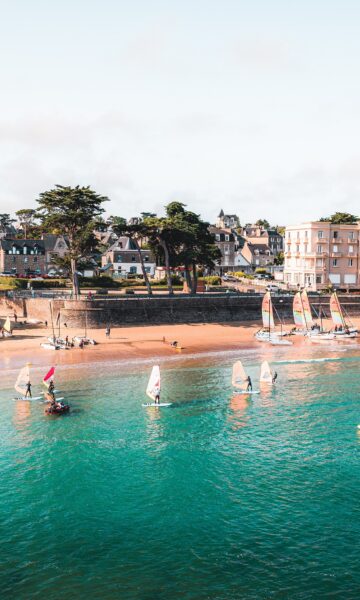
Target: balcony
[337, 240]
[336, 254]
[322, 240]
[352, 240]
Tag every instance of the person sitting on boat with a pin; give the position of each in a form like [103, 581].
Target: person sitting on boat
[249, 384]
[274, 377]
[28, 390]
[174, 344]
[51, 387]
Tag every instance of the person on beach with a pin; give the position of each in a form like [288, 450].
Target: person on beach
[249, 384]
[15, 317]
[107, 332]
[174, 344]
[67, 341]
[28, 390]
[274, 377]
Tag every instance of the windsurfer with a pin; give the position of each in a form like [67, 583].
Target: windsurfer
[274, 377]
[249, 384]
[28, 390]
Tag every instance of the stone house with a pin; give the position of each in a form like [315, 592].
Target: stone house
[22, 257]
[258, 255]
[122, 259]
[55, 247]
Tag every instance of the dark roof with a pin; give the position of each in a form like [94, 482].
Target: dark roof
[261, 248]
[221, 213]
[7, 244]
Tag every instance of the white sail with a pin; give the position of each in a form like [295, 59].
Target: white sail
[154, 386]
[239, 376]
[22, 380]
[266, 374]
[7, 326]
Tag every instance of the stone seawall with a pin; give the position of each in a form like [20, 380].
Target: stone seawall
[100, 312]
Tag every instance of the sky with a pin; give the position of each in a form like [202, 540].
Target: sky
[250, 106]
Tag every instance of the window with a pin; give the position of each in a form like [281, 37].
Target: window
[148, 269]
[320, 235]
[335, 248]
[289, 248]
[35, 259]
[319, 262]
[305, 248]
[350, 262]
[351, 249]
[335, 235]
[319, 249]
[351, 235]
[318, 279]
[133, 259]
[227, 249]
[133, 270]
[217, 237]
[146, 258]
[334, 262]
[306, 234]
[227, 238]
[297, 248]
[289, 235]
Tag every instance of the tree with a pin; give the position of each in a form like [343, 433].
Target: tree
[72, 212]
[339, 218]
[263, 223]
[6, 222]
[136, 232]
[116, 222]
[26, 218]
[279, 259]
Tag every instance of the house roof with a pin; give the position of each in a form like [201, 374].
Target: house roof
[7, 244]
[123, 243]
[258, 248]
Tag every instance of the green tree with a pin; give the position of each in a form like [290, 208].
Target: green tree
[114, 221]
[263, 223]
[279, 259]
[136, 232]
[26, 218]
[6, 222]
[73, 213]
[339, 218]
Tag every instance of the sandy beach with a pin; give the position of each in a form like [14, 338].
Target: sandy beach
[143, 342]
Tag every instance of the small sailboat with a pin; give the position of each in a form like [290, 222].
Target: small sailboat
[266, 374]
[153, 389]
[22, 382]
[342, 328]
[268, 333]
[7, 328]
[239, 379]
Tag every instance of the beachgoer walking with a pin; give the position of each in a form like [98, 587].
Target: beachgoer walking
[107, 332]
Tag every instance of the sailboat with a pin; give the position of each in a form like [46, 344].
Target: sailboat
[337, 315]
[299, 316]
[266, 374]
[153, 389]
[7, 328]
[52, 343]
[239, 379]
[48, 377]
[268, 333]
[21, 383]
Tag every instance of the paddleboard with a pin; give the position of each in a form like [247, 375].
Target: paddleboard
[26, 399]
[253, 392]
[159, 404]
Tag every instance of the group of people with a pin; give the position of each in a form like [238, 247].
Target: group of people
[249, 382]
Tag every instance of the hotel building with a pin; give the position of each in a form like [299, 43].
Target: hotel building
[319, 254]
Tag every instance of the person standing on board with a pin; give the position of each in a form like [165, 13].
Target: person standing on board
[28, 390]
[249, 384]
[274, 377]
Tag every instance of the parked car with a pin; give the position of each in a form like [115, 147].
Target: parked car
[272, 288]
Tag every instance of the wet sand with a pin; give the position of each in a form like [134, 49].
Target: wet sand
[131, 343]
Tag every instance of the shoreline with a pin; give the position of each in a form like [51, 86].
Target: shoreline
[145, 343]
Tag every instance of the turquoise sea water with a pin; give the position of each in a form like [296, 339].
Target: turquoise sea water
[216, 497]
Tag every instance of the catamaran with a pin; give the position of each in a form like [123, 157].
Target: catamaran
[268, 333]
[342, 328]
[153, 389]
[240, 380]
[22, 382]
[266, 374]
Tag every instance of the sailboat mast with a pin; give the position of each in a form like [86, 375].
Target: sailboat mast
[52, 320]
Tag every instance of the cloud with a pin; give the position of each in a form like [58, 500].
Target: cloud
[261, 53]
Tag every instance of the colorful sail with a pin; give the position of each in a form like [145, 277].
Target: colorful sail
[267, 312]
[49, 376]
[306, 310]
[298, 311]
[22, 380]
[266, 374]
[239, 377]
[336, 311]
[154, 386]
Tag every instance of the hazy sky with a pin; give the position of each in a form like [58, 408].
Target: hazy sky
[253, 107]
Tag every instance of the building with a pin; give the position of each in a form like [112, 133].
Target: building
[55, 247]
[22, 257]
[230, 244]
[258, 255]
[256, 234]
[319, 254]
[122, 259]
[227, 221]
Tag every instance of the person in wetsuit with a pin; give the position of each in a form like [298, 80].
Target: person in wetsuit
[274, 377]
[28, 390]
[249, 385]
